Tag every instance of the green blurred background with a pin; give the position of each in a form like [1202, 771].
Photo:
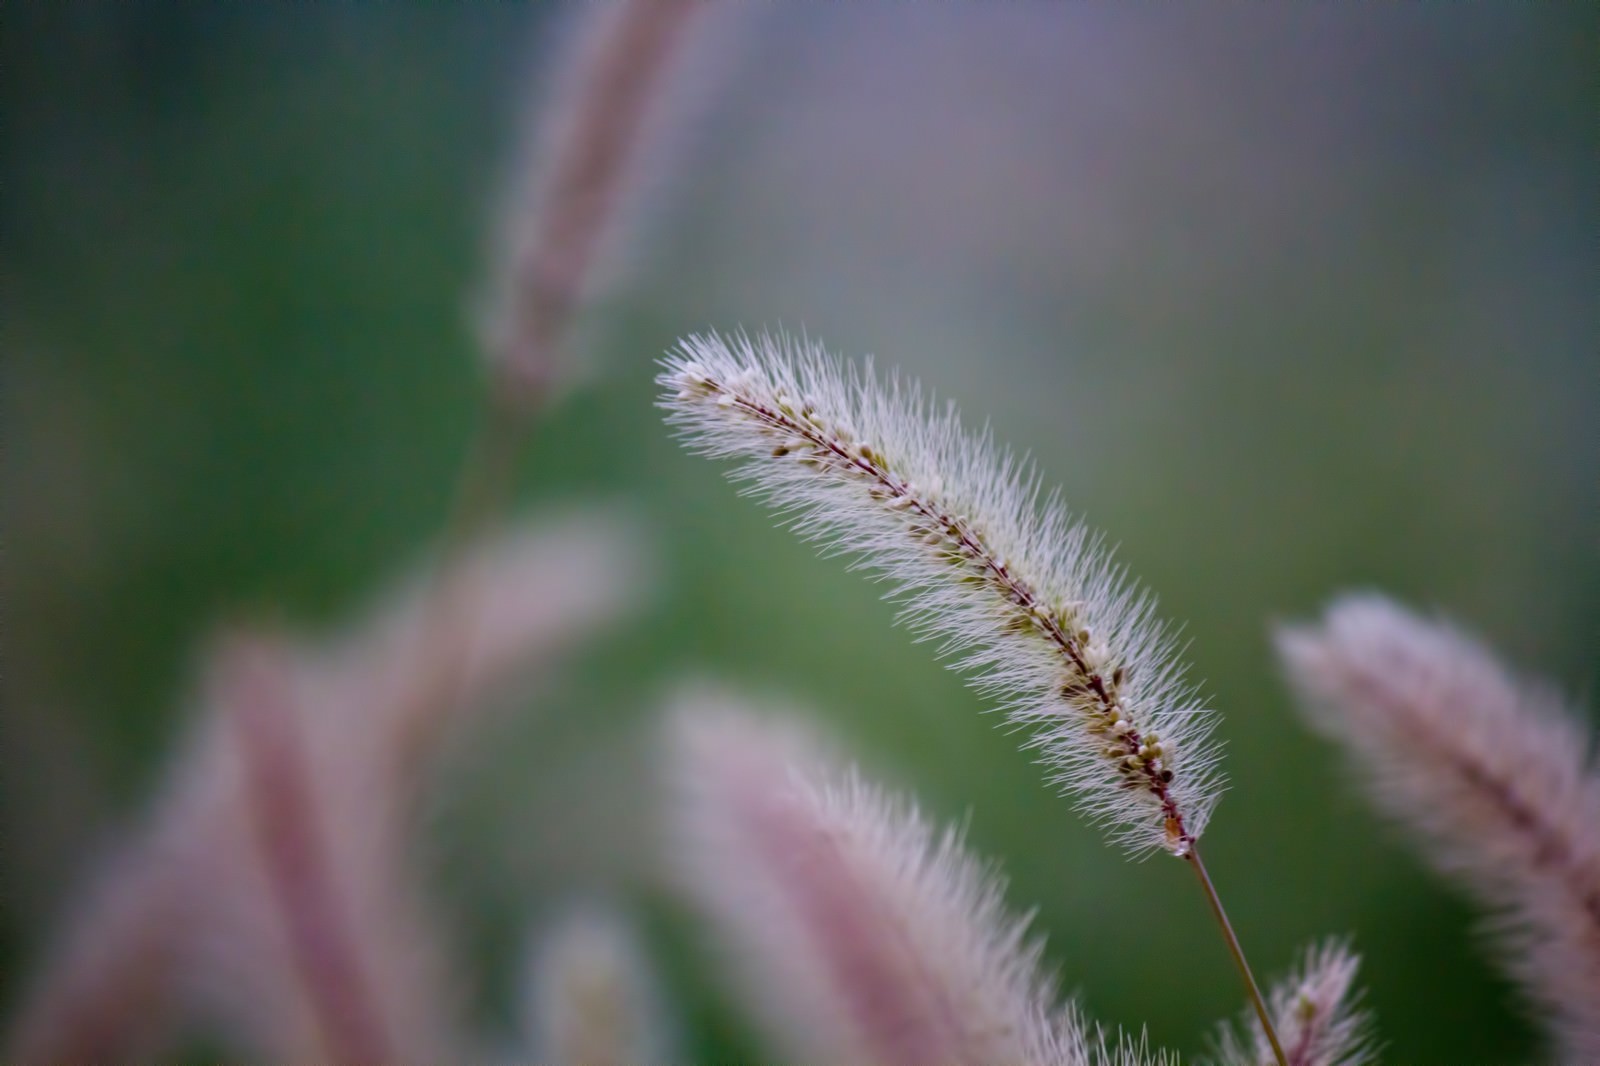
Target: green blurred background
[1287, 300]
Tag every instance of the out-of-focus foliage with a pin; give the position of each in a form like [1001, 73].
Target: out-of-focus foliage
[1286, 301]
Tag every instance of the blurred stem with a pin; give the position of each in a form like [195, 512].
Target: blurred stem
[1236, 951]
[485, 486]
[488, 474]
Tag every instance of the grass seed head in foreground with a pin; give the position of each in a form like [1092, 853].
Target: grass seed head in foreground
[1024, 598]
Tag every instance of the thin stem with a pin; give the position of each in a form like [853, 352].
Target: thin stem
[445, 638]
[487, 478]
[1193, 856]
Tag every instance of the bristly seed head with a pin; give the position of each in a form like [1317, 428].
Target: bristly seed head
[1315, 1012]
[978, 557]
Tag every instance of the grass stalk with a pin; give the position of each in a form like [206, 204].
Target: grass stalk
[1235, 950]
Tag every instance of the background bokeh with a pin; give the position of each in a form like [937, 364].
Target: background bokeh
[1287, 300]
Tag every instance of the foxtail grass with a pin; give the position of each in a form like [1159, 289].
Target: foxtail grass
[859, 930]
[1491, 772]
[1023, 598]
